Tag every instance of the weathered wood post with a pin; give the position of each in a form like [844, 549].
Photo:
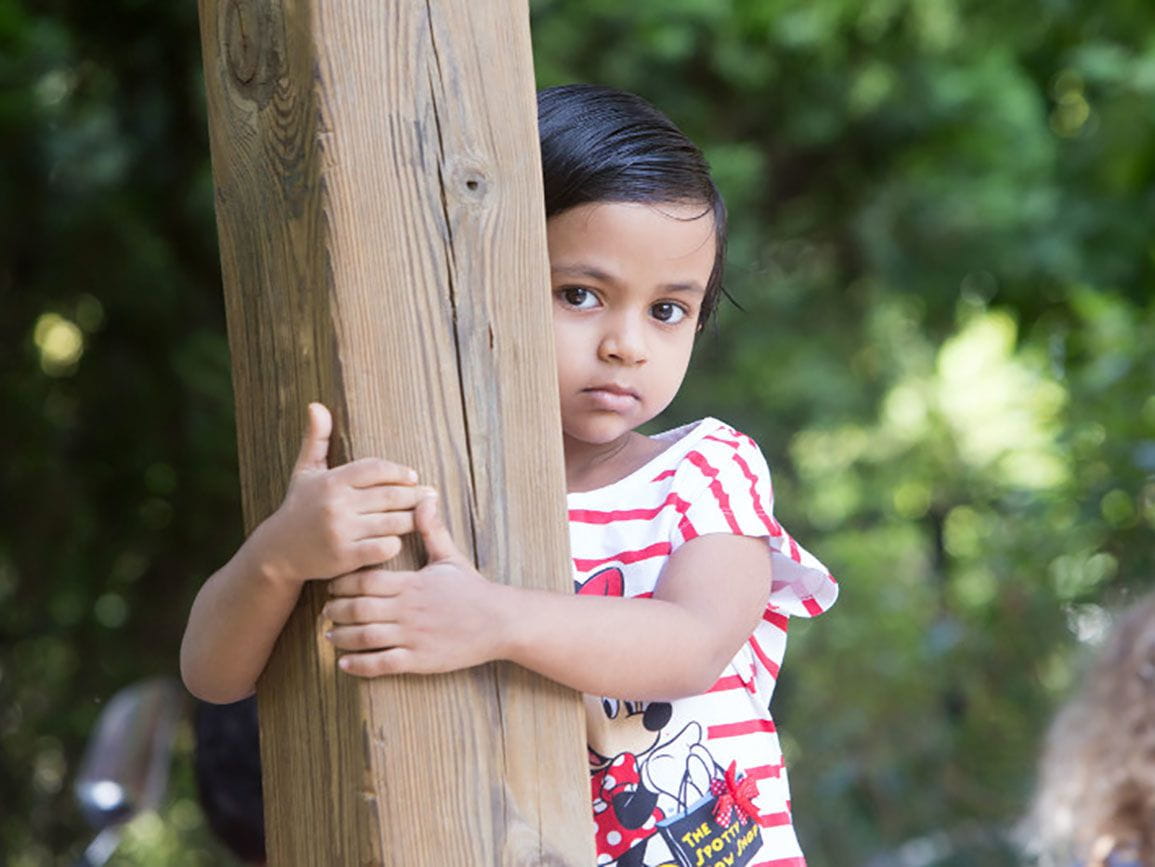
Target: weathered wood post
[382, 241]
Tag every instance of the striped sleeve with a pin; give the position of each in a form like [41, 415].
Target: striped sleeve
[723, 485]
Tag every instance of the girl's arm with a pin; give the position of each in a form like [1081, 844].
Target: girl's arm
[447, 616]
[332, 521]
[235, 619]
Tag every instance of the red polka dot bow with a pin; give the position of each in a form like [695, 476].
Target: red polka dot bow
[734, 795]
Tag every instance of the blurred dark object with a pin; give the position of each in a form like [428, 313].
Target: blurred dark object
[126, 764]
[228, 772]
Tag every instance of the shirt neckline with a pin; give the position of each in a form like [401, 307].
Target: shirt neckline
[680, 438]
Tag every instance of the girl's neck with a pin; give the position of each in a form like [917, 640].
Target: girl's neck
[589, 466]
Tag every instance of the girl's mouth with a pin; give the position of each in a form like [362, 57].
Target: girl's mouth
[613, 398]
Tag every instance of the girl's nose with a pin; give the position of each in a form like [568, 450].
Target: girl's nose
[623, 343]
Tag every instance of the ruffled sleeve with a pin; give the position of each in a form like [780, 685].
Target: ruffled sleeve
[723, 485]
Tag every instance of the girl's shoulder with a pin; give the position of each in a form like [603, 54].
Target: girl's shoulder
[713, 453]
[722, 484]
[708, 436]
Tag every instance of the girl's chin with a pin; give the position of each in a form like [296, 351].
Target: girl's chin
[598, 431]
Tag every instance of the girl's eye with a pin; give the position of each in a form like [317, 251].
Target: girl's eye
[576, 296]
[668, 312]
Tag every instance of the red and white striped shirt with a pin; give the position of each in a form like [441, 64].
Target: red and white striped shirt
[696, 781]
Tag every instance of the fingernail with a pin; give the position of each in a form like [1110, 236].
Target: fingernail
[428, 493]
[412, 475]
[343, 662]
[329, 634]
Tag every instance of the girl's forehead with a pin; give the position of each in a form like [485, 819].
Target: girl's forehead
[673, 234]
[636, 212]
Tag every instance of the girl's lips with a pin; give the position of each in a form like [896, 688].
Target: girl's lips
[612, 398]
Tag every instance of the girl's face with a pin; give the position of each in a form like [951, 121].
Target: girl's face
[628, 280]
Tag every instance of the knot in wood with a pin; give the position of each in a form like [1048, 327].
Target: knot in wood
[242, 38]
[471, 182]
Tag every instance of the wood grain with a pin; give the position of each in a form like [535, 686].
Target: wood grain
[382, 236]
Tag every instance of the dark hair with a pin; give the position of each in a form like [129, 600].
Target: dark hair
[604, 145]
[227, 764]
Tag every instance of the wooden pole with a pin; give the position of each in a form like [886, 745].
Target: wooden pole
[382, 239]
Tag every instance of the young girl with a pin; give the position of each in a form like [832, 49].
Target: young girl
[684, 579]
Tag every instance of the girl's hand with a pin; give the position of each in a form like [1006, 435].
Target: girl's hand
[440, 618]
[334, 521]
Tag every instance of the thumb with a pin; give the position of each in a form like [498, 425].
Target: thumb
[439, 544]
[314, 454]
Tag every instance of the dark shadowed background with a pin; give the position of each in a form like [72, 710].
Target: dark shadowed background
[942, 243]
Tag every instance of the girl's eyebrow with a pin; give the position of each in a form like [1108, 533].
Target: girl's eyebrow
[583, 271]
[592, 273]
[692, 286]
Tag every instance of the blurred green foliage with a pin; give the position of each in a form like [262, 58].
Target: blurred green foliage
[941, 247]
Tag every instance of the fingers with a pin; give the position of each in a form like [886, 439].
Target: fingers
[363, 629]
[394, 660]
[368, 582]
[367, 472]
[359, 610]
[382, 524]
[368, 636]
[439, 544]
[314, 453]
[370, 552]
[387, 498]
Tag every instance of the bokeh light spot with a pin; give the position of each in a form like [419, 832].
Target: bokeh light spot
[110, 610]
[61, 343]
